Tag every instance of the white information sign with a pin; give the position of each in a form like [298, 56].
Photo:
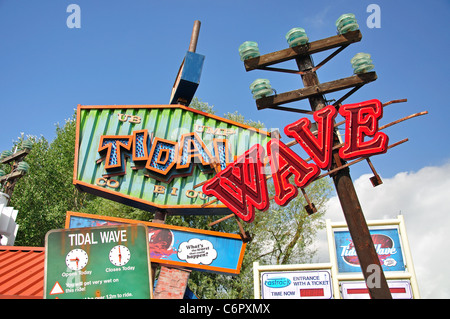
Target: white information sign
[400, 289]
[296, 285]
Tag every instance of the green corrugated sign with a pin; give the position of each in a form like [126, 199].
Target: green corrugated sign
[109, 262]
[155, 156]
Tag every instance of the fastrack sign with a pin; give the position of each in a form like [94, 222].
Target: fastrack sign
[313, 284]
[242, 185]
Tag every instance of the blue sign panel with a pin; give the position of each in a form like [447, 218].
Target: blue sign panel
[179, 246]
[386, 242]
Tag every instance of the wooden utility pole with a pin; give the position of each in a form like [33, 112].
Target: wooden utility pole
[348, 198]
[178, 276]
[8, 182]
[194, 36]
[188, 77]
[314, 91]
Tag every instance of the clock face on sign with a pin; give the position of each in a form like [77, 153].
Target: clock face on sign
[119, 255]
[77, 259]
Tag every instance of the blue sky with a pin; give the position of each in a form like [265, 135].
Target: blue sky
[129, 52]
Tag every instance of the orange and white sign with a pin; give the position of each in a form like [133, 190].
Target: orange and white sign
[57, 289]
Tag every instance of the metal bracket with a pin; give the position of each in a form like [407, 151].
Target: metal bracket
[375, 179]
[310, 208]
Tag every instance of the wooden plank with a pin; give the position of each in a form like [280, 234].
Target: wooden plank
[11, 176]
[288, 109]
[15, 156]
[194, 36]
[309, 48]
[321, 88]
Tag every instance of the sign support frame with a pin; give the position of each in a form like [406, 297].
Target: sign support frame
[410, 274]
[342, 180]
[348, 198]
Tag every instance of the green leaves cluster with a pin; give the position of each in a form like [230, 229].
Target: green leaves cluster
[46, 193]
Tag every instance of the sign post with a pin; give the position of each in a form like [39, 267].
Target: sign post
[18, 169]
[109, 262]
[154, 157]
[246, 178]
[314, 91]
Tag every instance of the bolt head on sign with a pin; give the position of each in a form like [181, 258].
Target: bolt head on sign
[106, 262]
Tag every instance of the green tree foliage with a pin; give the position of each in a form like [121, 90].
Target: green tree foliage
[289, 231]
[236, 117]
[202, 106]
[106, 207]
[46, 193]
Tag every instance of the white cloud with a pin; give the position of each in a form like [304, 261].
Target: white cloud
[319, 19]
[421, 197]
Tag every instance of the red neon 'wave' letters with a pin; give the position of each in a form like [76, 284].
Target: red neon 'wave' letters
[284, 163]
[319, 148]
[362, 120]
[242, 185]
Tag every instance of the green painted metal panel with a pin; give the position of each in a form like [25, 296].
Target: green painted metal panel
[108, 262]
[149, 181]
